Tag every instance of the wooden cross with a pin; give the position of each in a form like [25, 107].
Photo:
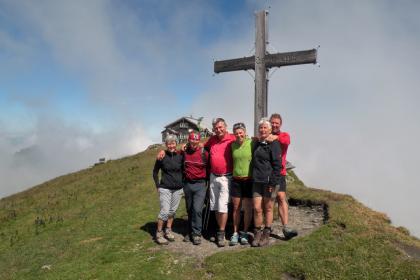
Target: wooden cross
[261, 62]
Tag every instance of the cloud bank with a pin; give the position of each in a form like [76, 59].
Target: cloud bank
[55, 147]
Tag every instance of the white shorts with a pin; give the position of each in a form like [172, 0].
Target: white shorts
[219, 192]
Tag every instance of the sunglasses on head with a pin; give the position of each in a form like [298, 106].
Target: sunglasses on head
[238, 125]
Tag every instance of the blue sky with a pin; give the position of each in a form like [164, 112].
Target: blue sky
[82, 80]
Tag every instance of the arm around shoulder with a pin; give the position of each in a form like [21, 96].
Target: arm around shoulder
[160, 155]
[284, 138]
[156, 168]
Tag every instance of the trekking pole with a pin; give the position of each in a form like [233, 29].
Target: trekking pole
[207, 212]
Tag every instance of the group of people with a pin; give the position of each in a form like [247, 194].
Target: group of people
[249, 172]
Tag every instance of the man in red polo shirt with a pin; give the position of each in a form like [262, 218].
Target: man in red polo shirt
[221, 166]
[284, 139]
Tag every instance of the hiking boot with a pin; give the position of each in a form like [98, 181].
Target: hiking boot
[234, 239]
[160, 239]
[220, 239]
[265, 237]
[243, 236]
[169, 235]
[196, 239]
[289, 232]
[257, 236]
[187, 238]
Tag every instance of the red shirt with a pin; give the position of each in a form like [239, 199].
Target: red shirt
[220, 154]
[284, 139]
[194, 167]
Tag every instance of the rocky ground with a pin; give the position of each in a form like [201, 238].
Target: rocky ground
[303, 218]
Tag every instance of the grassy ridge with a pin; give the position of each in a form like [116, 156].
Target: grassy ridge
[356, 243]
[84, 225]
[93, 224]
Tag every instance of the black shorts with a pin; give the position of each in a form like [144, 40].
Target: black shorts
[263, 190]
[282, 184]
[241, 188]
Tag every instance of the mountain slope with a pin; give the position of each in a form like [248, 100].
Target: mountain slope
[95, 224]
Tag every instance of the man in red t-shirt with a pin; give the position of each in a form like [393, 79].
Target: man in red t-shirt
[195, 174]
[221, 166]
[284, 139]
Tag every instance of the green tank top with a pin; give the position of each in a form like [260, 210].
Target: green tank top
[242, 157]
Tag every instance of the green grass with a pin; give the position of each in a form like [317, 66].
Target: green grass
[94, 224]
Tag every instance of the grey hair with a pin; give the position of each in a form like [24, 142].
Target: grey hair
[217, 120]
[264, 121]
[171, 138]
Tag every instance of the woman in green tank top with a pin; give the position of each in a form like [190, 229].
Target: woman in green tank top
[241, 188]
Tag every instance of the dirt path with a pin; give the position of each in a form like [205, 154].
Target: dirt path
[304, 219]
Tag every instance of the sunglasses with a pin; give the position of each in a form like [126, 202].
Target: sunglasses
[238, 126]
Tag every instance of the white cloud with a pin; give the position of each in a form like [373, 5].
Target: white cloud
[55, 147]
[353, 120]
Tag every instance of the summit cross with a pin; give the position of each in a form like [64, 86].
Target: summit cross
[261, 62]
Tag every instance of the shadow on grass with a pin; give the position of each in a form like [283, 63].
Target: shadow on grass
[179, 226]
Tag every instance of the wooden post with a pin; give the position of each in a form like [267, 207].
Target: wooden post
[260, 69]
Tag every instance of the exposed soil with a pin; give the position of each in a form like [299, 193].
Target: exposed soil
[409, 251]
[304, 219]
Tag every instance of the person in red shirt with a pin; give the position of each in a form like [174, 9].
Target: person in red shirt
[195, 174]
[284, 139]
[221, 167]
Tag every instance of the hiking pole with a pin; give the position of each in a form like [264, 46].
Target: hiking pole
[207, 212]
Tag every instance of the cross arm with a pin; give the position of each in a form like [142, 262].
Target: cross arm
[291, 58]
[236, 64]
[271, 60]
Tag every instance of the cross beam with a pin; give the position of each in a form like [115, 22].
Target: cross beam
[261, 62]
[271, 60]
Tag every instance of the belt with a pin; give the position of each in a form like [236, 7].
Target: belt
[242, 179]
[220, 175]
[195, 181]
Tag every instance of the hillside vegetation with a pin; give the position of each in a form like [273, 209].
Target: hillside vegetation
[95, 224]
